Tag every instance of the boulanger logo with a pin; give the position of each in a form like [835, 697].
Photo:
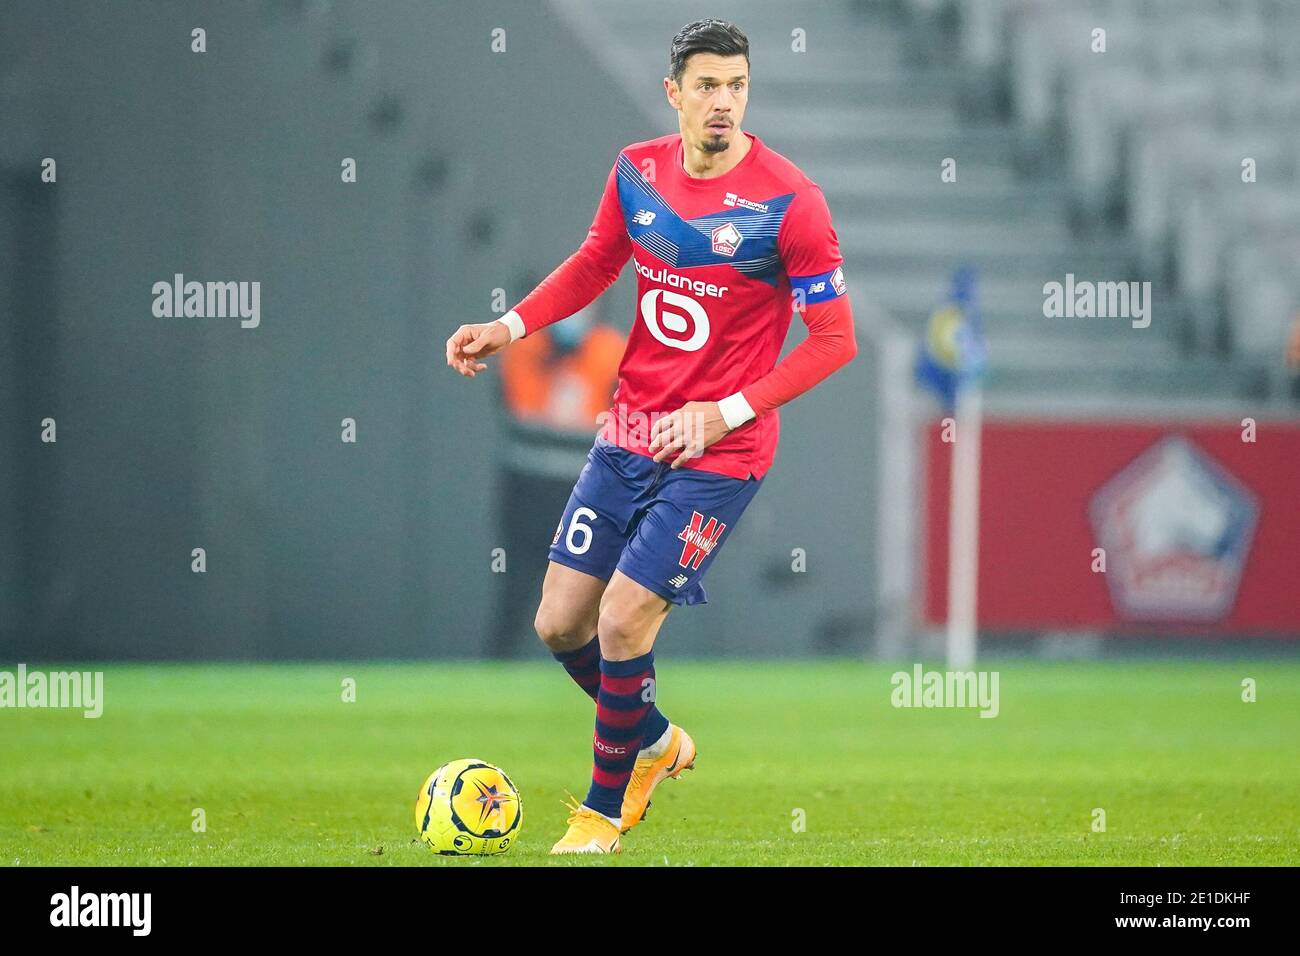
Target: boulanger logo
[665, 311]
[664, 276]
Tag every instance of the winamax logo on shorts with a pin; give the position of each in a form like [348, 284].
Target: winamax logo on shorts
[75, 690]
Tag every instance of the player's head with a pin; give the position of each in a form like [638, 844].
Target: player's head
[708, 82]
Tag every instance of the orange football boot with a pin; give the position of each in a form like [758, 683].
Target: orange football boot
[679, 755]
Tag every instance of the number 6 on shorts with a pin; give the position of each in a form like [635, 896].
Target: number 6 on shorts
[576, 526]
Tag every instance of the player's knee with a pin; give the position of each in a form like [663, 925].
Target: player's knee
[557, 630]
[622, 631]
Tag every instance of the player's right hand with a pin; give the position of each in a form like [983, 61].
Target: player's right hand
[470, 343]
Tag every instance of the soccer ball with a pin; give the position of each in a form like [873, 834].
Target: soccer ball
[468, 807]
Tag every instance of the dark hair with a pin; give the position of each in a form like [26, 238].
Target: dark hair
[705, 36]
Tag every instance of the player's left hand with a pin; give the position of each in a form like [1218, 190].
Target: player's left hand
[686, 432]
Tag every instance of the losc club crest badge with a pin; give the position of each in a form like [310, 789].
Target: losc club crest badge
[726, 238]
[1176, 528]
[837, 280]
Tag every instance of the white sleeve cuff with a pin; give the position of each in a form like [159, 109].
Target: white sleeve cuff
[514, 323]
[735, 410]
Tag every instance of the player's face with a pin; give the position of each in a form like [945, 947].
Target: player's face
[710, 100]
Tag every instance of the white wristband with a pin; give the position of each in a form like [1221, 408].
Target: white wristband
[735, 410]
[514, 323]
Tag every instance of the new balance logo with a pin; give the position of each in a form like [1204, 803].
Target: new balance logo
[700, 539]
[644, 217]
[678, 581]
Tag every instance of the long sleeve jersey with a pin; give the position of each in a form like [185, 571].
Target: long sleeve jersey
[722, 264]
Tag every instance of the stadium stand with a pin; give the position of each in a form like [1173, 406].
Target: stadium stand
[1125, 165]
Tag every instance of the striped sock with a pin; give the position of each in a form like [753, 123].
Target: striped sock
[583, 665]
[620, 719]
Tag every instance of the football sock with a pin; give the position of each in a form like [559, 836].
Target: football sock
[658, 745]
[583, 665]
[620, 718]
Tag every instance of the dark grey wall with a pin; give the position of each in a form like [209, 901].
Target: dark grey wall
[475, 169]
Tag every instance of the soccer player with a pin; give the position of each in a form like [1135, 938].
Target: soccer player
[728, 237]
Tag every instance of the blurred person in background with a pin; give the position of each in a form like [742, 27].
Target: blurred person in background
[565, 378]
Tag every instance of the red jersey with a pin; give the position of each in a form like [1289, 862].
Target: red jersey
[720, 264]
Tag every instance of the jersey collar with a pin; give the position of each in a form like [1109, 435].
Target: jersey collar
[713, 182]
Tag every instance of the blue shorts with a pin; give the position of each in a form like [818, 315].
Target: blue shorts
[660, 527]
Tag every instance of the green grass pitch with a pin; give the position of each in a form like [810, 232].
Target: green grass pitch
[287, 773]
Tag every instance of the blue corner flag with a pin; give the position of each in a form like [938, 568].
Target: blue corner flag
[953, 353]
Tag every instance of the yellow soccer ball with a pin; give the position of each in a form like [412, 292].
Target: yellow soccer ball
[468, 808]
